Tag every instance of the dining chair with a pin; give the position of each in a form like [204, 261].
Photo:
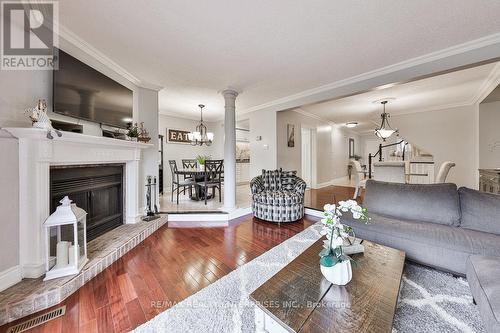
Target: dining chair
[359, 177]
[178, 184]
[443, 172]
[189, 164]
[212, 177]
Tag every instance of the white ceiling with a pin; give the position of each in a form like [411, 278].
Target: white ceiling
[438, 92]
[267, 49]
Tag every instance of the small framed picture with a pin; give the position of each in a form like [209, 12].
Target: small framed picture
[290, 134]
[351, 148]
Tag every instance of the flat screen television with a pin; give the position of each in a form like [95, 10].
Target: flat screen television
[82, 92]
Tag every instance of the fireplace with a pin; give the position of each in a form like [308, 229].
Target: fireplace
[97, 189]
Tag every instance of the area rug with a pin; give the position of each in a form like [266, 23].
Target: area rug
[430, 301]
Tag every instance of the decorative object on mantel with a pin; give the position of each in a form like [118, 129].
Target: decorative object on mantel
[133, 132]
[143, 134]
[151, 209]
[65, 240]
[201, 159]
[40, 119]
[335, 264]
[201, 137]
[385, 130]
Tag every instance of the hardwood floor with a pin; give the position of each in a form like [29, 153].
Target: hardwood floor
[171, 265]
[167, 267]
[318, 198]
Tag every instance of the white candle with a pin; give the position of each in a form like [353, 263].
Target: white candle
[71, 254]
[62, 254]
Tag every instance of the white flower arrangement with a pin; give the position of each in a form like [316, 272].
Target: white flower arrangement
[336, 232]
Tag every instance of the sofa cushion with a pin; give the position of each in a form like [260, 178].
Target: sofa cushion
[288, 180]
[434, 203]
[435, 245]
[272, 179]
[482, 275]
[480, 211]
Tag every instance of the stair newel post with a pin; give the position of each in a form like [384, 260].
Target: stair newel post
[370, 166]
[380, 152]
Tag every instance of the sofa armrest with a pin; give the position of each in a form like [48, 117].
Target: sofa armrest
[300, 186]
[257, 185]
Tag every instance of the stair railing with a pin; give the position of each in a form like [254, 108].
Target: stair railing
[379, 154]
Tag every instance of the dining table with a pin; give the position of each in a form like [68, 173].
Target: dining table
[198, 176]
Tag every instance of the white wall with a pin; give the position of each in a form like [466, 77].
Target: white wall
[489, 135]
[263, 153]
[332, 150]
[449, 135]
[178, 151]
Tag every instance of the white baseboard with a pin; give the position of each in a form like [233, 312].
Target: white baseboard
[313, 212]
[33, 271]
[328, 183]
[10, 277]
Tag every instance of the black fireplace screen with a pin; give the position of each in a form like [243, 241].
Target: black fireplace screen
[97, 189]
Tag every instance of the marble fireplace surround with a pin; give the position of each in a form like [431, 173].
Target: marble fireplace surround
[37, 154]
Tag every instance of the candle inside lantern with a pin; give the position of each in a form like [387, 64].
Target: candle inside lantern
[62, 254]
[71, 254]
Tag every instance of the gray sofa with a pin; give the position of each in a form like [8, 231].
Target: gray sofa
[439, 226]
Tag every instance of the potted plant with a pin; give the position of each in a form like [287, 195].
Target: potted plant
[334, 263]
[133, 132]
[201, 159]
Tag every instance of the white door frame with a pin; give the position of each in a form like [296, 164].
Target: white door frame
[313, 153]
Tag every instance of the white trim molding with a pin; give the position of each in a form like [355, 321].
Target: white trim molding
[10, 277]
[69, 36]
[488, 85]
[454, 57]
[329, 183]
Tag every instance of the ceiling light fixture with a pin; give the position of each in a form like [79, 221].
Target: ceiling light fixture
[201, 137]
[385, 130]
[351, 124]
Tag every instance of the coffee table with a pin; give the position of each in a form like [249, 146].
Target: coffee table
[299, 299]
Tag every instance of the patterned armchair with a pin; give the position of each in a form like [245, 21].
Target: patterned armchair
[278, 196]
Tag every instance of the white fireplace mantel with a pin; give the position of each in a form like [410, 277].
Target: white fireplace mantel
[37, 154]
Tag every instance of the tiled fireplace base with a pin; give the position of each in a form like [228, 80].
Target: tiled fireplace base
[33, 295]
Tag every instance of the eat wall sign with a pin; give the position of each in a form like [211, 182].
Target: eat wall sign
[177, 136]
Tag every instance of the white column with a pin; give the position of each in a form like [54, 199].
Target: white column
[229, 149]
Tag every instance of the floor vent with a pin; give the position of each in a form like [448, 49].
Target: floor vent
[29, 324]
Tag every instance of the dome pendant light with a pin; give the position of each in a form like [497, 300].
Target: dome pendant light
[385, 130]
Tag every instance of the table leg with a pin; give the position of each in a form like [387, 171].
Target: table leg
[259, 321]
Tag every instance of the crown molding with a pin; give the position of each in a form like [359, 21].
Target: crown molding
[323, 120]
[83, 45]
[403, 65]
[188, 116]
[491, 82]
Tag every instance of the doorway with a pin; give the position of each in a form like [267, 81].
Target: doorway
[307, 155]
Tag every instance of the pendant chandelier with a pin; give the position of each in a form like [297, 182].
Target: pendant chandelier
[385, 130]
[200, 136]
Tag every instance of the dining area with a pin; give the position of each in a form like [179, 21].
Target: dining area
[200, 179]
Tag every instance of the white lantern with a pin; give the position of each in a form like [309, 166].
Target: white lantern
[65, 240]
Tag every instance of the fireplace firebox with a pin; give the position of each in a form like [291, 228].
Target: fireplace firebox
[97, 189]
